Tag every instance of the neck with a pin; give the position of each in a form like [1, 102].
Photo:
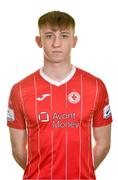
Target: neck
[57, 71]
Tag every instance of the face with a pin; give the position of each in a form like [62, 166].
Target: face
[57, 44]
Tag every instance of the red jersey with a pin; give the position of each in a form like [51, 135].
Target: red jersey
[58, 117]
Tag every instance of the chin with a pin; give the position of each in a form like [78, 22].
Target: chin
[55, 60]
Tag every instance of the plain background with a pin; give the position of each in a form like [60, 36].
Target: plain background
[96, 52]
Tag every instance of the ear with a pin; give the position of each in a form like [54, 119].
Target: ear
[38, 41]
[74, 41]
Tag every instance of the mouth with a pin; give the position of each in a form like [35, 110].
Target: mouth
[56, 51]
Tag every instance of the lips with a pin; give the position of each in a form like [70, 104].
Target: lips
[57, 51]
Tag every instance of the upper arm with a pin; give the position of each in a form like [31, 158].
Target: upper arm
[102, 114]
[18, 139]
[102, 135]
[15, 113]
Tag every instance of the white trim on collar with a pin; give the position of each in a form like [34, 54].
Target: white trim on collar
[58, 83]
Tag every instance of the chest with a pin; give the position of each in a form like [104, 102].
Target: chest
[65, 106]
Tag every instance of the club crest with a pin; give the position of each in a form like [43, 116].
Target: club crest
[74, 97]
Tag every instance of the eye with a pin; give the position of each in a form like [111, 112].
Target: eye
[64, 36]
[49, 36]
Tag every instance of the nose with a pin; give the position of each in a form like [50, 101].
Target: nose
[56, 42]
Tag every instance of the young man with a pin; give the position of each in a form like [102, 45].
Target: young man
[52, 111]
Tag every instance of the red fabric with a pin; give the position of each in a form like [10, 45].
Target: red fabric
[59, 131]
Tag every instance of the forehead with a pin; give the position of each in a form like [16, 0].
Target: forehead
[48, 28]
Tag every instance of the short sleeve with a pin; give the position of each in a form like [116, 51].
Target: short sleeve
[102, 115]
[15, 115]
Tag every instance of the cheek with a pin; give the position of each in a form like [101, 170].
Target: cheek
[67, 47]
[47, 50]
[46, 47]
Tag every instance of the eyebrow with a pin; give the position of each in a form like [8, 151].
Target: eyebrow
[48, 32]
[65, 32]
[51, 32]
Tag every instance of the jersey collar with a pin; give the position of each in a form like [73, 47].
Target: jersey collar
[58, 83]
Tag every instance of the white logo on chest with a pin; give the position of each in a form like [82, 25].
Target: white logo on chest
[43, 97]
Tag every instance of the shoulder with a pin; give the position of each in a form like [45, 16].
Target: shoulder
[29, 79]
[89, 78]
[25, 84]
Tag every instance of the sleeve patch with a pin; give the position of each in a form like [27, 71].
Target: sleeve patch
[107, 112]
[10, 114]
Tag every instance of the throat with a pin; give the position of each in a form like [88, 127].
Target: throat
[57, 74]
[58, 79]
